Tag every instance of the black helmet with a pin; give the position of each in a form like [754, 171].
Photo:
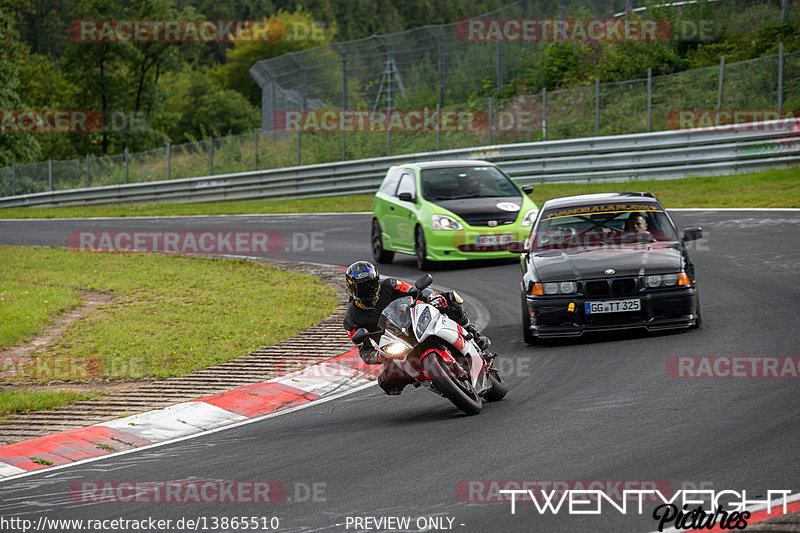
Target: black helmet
[363, 282]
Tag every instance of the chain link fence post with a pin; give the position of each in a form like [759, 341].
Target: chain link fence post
[50, 173]
[780, 77]
[125, 158]
[169, 161]
[544, 113]
[499, 62]
[491, 121]
[210, 155]
[255, 148]
[13, 179]
[88, 177]
[719, 89]
[438, 128]
[597, 107]
[649, 98]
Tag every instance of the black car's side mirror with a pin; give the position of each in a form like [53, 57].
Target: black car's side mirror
[406, 197]
[527, 189]
[692, 234]
[423, 282]
[515, 247]
[360, 335]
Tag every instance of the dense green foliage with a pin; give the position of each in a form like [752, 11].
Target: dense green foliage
[184, 92]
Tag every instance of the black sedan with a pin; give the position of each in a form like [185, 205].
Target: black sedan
[601, 262]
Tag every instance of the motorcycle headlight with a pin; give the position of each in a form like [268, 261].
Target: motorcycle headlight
[395, 348]
[444, 222]
[423, 322]
[529, 217]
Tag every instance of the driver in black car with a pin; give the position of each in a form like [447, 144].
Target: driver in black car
[369, 296]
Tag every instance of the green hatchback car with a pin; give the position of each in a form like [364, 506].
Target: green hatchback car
[449, 211]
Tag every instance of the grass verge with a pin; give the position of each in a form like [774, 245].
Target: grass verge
[22, 401]
[170, 314]
[771, 188]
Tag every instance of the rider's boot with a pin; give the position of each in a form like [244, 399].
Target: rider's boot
[481, 340]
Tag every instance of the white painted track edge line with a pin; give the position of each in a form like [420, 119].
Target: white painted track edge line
[193, 435]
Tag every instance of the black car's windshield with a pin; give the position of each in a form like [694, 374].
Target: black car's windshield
[592, 226]
[466, 182]
[397, 314]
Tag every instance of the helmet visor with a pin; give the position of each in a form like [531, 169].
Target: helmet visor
[365, 290]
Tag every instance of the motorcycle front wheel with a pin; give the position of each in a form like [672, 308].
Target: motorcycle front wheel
[499, 388]
[458, 391]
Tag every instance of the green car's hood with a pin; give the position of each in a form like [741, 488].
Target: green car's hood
[479, 211]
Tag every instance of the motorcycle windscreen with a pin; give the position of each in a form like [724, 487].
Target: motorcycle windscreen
[397, 315]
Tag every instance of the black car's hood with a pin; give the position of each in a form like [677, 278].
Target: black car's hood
[478, 211]
[590, 264]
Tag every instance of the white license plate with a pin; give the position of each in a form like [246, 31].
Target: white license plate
[493, 240]
[613, 306]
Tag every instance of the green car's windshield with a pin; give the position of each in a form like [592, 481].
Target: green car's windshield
[466, 182]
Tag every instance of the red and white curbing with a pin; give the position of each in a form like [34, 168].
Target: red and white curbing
[332, 377]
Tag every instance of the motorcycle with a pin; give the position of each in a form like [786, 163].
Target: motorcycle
[435, 351]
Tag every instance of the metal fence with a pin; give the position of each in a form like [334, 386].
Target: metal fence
[450, 71]
[439, 64]
[658, 155]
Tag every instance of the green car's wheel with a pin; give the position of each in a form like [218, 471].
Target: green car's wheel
[378, 253]
[421, 250]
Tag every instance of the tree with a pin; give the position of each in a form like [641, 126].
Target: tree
[14, 146]
[301, 34]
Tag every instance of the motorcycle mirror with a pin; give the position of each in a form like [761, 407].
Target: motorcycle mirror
[360, 335]
[423, 282]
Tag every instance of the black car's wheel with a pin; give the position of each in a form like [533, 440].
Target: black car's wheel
[420, 249]
[699, 320]
[378, 253]
[459, 391]
[499, 388]
[527, 334]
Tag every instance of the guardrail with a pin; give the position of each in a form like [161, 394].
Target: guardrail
[659, 155]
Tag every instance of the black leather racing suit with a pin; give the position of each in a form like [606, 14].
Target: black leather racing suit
[392, 379]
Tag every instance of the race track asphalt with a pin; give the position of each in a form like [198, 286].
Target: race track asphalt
[601, 408]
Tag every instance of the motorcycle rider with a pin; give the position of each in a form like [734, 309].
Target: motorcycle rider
[369, 296]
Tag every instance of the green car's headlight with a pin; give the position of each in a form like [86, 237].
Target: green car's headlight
[529, 217]
[445, 222]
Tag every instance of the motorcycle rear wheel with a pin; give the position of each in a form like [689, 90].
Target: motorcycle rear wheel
[458, 391]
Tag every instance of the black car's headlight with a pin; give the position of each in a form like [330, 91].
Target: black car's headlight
[559, 287]
[656, 281]
[445, 222]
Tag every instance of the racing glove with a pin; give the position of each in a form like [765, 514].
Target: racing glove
[438, 301]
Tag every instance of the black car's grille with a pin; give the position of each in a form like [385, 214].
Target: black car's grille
[623, 286]
[596, 288]
[483, 219]
[610, 287]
